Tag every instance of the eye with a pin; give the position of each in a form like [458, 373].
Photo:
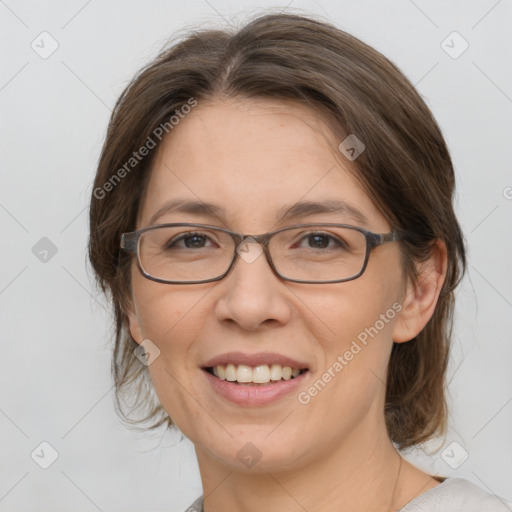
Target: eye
[191, 240]
[320, 240]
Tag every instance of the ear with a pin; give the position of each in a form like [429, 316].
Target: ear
[133, 322]
[420, 298]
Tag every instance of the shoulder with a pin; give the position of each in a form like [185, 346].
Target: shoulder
[457, 494]
[453, 495]
[197, 506]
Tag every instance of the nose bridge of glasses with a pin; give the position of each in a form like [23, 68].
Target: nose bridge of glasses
[250, 247]
[258, 239]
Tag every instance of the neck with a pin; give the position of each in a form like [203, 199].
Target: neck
[360, 475]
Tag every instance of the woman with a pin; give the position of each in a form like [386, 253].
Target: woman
[272, 216]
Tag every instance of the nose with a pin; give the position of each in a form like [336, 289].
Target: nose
[252, 293]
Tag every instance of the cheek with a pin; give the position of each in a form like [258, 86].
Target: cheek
[172, 320]
[349, 311]
[354, 330]
[159, 307]
[350, 380]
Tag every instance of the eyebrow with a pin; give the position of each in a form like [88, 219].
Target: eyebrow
[286, 213]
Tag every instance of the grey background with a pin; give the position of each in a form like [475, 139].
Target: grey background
[55, 360]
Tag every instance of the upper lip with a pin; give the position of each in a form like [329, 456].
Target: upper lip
[258, 359]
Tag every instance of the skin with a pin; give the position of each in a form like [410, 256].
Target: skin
[252, 157]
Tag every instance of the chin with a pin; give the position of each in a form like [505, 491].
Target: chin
[253, 450]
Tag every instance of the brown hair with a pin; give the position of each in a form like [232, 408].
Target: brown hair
[405, 169]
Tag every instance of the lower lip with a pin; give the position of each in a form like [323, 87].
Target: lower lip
[254, 395]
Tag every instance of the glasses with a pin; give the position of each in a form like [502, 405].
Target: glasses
[189, 253]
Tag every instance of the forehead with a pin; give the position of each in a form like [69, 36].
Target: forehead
[252, 158]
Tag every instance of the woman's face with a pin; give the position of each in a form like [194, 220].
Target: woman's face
[254, 159]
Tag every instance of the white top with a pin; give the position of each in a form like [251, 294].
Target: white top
[457, 495]
[452, 495]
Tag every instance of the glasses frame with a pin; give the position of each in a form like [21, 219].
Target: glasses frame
[130, 243]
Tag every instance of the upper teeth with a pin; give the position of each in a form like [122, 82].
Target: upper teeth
[259, 374]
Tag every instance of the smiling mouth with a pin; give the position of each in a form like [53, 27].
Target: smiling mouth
[261, 375]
